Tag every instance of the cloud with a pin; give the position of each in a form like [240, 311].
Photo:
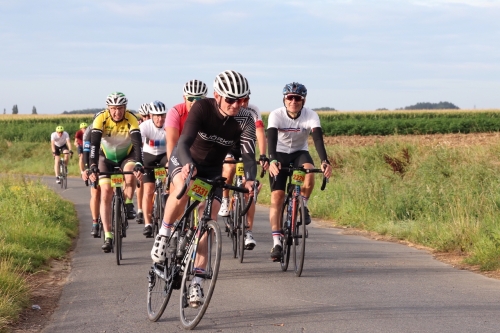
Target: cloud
[472, 3]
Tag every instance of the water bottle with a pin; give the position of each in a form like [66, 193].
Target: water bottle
[181, 248]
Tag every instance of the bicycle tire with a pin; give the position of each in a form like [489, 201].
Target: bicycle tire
[155, 215]
[65, 177]
[285, 240]
[242, 221]
[190, 317]
[233, 221]
[159, 291]
[299, 237]
[61, 171]
[117, 226]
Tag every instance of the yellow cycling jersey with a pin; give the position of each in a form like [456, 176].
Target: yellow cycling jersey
[116, 141]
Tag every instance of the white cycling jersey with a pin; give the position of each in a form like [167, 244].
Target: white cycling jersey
[293, 133]
[154, 139]
[59, 141]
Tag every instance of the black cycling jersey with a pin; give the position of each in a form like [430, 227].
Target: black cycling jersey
[208, 136]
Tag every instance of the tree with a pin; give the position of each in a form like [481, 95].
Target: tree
[33, 111]
[14, 109]
[432, 106]
[3, 110]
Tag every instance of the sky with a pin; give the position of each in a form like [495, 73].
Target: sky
[350, 54]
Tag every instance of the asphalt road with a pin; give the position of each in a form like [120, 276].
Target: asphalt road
[349, 284]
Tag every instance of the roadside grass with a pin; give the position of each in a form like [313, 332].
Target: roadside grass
[446, 198]
[36, 225]
[33, 158]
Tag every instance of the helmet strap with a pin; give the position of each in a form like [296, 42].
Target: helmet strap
[226, 116]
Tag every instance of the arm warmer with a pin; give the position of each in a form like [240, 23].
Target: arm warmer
[272, 142]
[317, 135]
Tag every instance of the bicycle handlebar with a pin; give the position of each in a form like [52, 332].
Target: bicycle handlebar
[251, 199]
[325, 180]
[117, 172]
[262, 172]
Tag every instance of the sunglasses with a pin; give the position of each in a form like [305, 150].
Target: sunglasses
[296, 98]
[234, 100]
[194, 98]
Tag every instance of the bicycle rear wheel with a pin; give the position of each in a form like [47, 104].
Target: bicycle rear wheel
[191, 316]
[159, 290]
[242, 222]
[65, 177]
[285, 240]
[299, 237]
[117, 222]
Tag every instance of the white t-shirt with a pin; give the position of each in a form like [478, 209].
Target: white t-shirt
[59, 141]
[154, 138]
[293, 133]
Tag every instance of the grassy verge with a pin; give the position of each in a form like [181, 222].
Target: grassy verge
[35, 226]
[32, 158]
[446, 198]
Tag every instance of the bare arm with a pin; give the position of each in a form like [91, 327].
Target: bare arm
[261, 140]
[172, 135]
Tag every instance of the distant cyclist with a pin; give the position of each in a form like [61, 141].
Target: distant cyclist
[144, 115]
[229, 170]
[115, 141]
[287, 133]
[193, 91]
[154, 152]
[79, 145]
[60, 143]
[212, 127]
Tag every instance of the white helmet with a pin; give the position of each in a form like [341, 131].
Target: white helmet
[144, 110]
[231, 84]
[157, 107]
[116, 98]
[195, 88]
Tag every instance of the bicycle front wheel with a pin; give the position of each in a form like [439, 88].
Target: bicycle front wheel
[159, 290]
[192, 307]
[61, 173]
[299, 237]
[242, 222]
[117, 223]
[65, 177]
[285, 240]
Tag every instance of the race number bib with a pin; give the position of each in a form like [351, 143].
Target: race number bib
[117, 181]
[199, 190]
[240, 171]
[298, 177]
[160, 173]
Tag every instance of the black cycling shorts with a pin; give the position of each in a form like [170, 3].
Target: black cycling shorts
[106, 165]
[151, 160]
[80, 150]
[297, 159]
[209, 172]
[60, 150]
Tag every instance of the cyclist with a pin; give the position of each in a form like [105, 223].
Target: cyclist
[287, 133]
[144, 113]
[193, 91]
[59, 143]
[116, 132]
[229, 171]
[79, 144]
[95, 193]
[154, 151]
[212, 127]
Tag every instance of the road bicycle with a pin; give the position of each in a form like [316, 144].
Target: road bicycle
[293, 218]
[119, 221]
[236, 222]
[178, 270]
[63, 170]
[160, 196]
